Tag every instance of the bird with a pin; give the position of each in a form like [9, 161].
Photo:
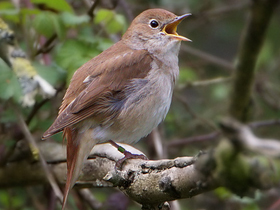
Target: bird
[122, 94]
[30, 81]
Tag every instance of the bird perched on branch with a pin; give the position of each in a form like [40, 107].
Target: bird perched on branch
[122, 94]
[31, 83]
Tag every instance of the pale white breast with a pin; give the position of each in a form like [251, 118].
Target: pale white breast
[140, 117]
[147, 103]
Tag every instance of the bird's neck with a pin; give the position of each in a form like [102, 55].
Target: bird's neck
[165, 54]
[167, 62]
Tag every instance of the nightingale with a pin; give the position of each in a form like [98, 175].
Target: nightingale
[122, 94]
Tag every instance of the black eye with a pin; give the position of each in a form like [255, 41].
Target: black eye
[154, 24]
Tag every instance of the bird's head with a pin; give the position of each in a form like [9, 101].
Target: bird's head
[154, 28]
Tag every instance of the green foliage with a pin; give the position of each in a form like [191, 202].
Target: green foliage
[9, 85]
[223, 192]
[252, 206]
[48, 24]
[220, 91]
[265, 54]
[70, 19]
[8, 201]
[248, 203]
[8, 116]
[112, 22]
[186, 75]
[74, 53]
[59, 5]
[8, 11]
[52, 74]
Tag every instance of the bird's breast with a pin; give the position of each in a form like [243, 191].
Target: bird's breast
[148, 101]
[145, 105]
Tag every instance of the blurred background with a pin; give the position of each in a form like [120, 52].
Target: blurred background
[58, 36]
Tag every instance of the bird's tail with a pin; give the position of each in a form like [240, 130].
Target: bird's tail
[79, 146]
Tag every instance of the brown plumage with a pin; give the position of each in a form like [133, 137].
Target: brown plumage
[106, 82]
[96, 97]
[123, 93]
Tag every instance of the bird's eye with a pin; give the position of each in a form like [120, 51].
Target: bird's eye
[154, 23]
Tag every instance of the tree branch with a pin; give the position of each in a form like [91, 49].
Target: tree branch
[261, 13]
[33, 145]
[225, 65]
[150, 182]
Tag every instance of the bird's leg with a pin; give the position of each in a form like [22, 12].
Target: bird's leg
[127, 155]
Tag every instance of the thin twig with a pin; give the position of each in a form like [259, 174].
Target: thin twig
[127, 10]
[46, 47]
[34, 199]
[211, 81]
[226, 65]
[35, 109]
[200, 138]
[89, 198]
[242, 137]
[264, 123]
[204, 82]
[157, 142]
[91, 9]
[33, 144]
[226, 9]
[193, 114]
[216, 134]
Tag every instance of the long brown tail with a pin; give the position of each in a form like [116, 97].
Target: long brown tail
[79, 145]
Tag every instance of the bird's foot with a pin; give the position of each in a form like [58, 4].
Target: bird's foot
[127, 155]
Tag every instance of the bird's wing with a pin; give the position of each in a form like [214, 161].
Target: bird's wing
[96, 88]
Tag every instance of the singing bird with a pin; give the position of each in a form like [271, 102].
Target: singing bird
[30, 81]
[123, 93]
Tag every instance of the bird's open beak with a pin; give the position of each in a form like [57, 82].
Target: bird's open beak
[171, 28]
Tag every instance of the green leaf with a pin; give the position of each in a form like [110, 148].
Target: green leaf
[6, 5]
[74, 53]
[47, 24]
[43, 24]
[220, 91]
[8, 11]
[17, 91]
[27, 11]
[186, 75]
[9, 85]
[103, 15]
[103, 44]
[113, 22]
[58, 26]
[8, 115]
[223, 193]
[265, 55]
[4, 198]
[70, 19]
[114, 27]
[122, 21]
[52, 74]
[60, 5]
[252, 206]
